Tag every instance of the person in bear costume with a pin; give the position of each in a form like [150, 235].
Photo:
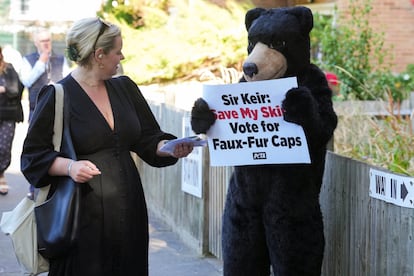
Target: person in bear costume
[272, 214]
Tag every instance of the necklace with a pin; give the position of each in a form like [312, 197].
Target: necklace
[78, 77]
[89, 84]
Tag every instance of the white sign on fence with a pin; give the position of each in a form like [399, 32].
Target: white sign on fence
[249, 129]
[191, 166]
[392, 188]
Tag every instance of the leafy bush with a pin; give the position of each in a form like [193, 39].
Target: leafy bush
[137, 13]
[397, 86]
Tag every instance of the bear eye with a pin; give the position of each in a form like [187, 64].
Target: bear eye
[250, 46]
[278, 45]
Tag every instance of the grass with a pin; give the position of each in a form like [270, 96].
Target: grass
[385, 141]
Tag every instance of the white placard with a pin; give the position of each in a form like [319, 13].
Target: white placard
[392, 188]
[250, 129]
[192, 166]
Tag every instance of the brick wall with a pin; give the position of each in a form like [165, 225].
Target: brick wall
[396, 19]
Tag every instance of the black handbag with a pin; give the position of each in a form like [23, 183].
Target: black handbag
[57, 218]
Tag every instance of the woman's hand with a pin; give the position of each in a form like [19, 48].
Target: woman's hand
[82, 171]
[180, 150]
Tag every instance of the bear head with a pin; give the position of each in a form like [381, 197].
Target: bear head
[279, 43]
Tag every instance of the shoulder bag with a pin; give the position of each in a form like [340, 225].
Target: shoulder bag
[57, 217]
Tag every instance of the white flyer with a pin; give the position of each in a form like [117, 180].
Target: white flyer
[195, 140]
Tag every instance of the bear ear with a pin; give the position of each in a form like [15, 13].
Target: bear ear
[251, 15]
[305, 17]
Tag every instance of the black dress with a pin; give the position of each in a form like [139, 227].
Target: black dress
[114, 224]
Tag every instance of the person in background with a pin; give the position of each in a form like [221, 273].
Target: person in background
[11, 111]
[108, 119]
[13, 56]
[40, 68]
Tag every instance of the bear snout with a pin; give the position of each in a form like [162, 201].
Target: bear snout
[264, 63]
[250, 69]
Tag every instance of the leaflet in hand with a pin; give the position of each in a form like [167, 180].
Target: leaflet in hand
[195, 140]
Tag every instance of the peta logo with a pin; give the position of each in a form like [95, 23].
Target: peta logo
[259, 155]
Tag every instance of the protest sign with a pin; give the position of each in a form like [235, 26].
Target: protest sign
[249, 127]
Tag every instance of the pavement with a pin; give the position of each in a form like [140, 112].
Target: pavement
[168, 255]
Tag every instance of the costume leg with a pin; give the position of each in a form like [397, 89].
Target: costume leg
[296, 245]
[244, 248]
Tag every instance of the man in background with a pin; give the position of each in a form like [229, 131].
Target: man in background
[41, 68]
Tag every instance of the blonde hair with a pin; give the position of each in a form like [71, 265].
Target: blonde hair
[87, 35]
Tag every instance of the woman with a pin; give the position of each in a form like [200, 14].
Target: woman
[10, 112]
[108, 118]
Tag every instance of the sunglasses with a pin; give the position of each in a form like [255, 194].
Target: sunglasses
[104, 26]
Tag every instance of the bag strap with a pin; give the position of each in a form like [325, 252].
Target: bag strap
[57, 135]
[58, 123]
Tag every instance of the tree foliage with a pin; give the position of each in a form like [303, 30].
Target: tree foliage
[176, 40]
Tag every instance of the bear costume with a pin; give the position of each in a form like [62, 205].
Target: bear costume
[272, 214]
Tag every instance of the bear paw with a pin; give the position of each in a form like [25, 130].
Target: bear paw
[202, 118]
[299, 106]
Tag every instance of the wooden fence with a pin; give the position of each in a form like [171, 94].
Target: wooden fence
[218, 180]
[364, 236]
